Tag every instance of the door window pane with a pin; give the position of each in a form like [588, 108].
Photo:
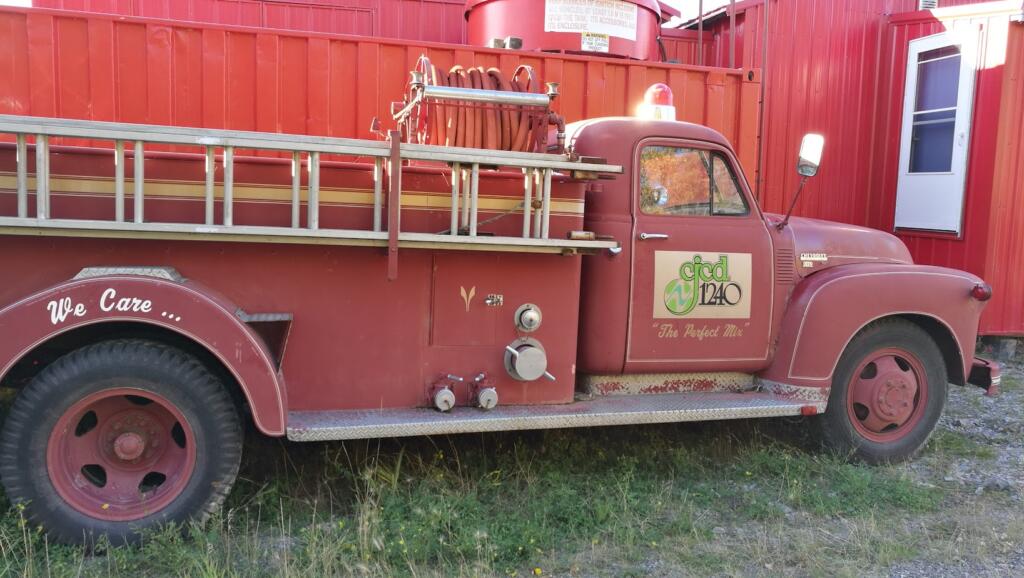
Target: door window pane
[931, 142]
[938, 76]
[934, 116]
[673, 181]
[931, 149]
[726, 198]
[684, 181]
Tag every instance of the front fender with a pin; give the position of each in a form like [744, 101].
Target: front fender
[184, 307]
[829, 308]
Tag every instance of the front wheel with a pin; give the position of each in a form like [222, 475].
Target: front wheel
[118, 438]
[888, 391]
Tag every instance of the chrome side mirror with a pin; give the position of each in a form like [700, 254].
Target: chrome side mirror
[810, 157]
[810, 154]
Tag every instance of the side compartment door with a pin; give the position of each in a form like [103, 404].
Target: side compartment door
[702, 263]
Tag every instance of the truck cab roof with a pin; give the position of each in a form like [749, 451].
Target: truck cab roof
[613, 132]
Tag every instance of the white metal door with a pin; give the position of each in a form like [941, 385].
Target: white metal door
[936, 130]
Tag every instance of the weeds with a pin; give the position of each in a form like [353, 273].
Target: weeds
[953, 444]
[505, 504]
[1010, 382]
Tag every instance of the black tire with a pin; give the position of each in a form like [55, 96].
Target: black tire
[148, 366]
[836, 426]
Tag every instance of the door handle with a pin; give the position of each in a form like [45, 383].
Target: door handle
[651, 236]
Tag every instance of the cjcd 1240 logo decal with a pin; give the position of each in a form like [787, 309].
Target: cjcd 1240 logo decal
[701, 285]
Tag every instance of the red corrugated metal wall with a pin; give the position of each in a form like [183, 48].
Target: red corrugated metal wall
[822, 66]
[969, 251]
[822, 58]
[1005, 314]
[100, 67]
[681, 46]
[431, 20]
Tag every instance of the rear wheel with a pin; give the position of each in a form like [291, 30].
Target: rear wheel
[118, 438]
[888, 392]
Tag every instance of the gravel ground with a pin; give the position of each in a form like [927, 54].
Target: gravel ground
[975, 460]
[986, 473]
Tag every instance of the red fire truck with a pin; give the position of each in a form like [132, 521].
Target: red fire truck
[164, 284]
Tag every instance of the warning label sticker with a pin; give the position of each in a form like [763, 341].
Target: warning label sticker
[594, 42]
[608, 17]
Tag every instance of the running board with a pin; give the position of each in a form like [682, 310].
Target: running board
[601, 411]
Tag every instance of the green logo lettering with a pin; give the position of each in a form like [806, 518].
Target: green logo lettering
[682, 295]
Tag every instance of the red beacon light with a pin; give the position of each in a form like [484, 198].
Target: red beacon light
[658, 103]
[982, 292]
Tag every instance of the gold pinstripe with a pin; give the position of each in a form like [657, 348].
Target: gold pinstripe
[102, 186]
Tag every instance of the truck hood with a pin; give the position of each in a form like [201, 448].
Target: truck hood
[819, 244]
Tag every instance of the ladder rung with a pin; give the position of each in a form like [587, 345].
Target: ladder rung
[229, 186]
[378, 197]
[546, 205]
[465, 198]
[527, 200]
[474, 195]
[456, 170]
[211, 170]
[538, 215]
[139, 161]
[314, 191]
[296, 188]
[42, 177]
[22, 154]
[119, 181]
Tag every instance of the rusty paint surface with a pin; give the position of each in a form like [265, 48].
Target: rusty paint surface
[829, 308]
[621, 334]
[817, 395]
[653, 383]
[188, 309]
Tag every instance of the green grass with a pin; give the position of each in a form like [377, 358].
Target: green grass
[1010, 383]
[496, 504]
[957, 445]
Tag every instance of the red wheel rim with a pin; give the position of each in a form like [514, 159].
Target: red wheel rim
[120, 454]
[887, 395]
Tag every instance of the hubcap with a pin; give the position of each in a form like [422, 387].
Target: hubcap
[129, 446]
[887, 394]
[120, 454]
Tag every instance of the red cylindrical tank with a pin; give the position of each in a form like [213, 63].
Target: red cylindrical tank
[626, 28]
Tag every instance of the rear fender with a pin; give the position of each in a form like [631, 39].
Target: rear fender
[183, 307]
[829, 308]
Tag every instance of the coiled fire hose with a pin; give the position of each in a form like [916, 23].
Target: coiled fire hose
[480, 124]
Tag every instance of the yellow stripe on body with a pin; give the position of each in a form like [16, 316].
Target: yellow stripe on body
[167, 189]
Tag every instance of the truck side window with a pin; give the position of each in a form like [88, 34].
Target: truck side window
[726, 198]
[685, 181]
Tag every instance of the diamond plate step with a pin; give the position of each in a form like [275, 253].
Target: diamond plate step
[618, 410]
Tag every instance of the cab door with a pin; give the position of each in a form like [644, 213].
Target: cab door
[702, 266]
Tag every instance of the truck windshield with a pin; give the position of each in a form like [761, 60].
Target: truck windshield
[687, 181]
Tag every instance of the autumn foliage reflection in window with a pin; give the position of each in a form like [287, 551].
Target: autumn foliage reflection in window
[684, 181]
